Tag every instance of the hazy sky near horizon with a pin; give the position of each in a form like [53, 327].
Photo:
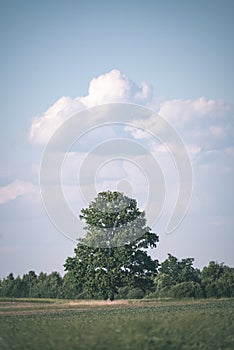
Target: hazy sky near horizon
[58, 57]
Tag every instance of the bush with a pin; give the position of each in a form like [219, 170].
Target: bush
[123, 293]
[135, 293]
[187, 290]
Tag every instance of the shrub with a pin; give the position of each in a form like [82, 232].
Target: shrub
[122, 293]
[135, 293]
[187, 290]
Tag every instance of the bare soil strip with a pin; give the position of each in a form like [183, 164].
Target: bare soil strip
[21, 308]
[59, 306]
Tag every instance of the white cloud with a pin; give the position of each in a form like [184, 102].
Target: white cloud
[115, 87]
[203, 123]
[145, 93]
[205, 126]
[186, 111]
[162, 150]
[15, 189]
[44, 126]
[110, 87]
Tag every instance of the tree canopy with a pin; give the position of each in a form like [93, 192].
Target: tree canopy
[174, 273]
[113, 252]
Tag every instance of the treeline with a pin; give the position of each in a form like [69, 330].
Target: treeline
[44, 285]
[179, 279]
[175, 278]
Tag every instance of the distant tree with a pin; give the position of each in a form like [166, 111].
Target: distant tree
[225, 283]
[113, 253]
[217, 280]
[172, 272]
[17, 290]
[39, 289]
[27, 284]
[70, 288]
[53, 285]
[7, 286]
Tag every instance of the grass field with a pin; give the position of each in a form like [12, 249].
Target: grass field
[134, 324]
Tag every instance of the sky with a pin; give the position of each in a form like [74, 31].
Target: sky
[173, 58]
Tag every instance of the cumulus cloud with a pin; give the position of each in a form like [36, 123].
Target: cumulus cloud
[15, 189]
[186, 111]
[110, 87]
[115, 87]
[204, 123]
[44, 126]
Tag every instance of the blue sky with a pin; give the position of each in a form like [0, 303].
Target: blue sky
[52, 51]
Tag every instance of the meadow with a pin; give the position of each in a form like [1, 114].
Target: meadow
[123, 324]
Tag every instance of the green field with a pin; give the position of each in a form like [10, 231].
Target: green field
[144, 324]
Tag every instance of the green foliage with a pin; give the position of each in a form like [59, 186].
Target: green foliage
[135, 293]
[187, 290]
[31, 285]
[112, 254]
[70, 289]
[9, 286]
[173, 272]
[28, 283]
[113, 220]
[130, 293]
[125, 272]
[217, 280]
[179, 279]
[123, 293]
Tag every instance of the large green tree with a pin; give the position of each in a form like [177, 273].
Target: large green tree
[113, 254]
